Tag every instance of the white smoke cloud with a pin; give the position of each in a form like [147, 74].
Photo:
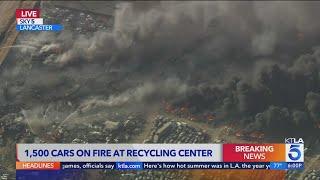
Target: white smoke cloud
[149, 90]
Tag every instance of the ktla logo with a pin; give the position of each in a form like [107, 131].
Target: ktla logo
[294, 150]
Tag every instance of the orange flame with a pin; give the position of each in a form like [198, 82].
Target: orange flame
[239, 134]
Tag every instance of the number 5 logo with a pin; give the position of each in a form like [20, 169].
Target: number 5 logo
[294, 152]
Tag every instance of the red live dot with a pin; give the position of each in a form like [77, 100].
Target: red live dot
[27, 13]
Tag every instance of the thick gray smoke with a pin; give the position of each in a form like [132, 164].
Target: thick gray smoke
[149, 91]
[144, 30]
[254, 60]
[313, 106]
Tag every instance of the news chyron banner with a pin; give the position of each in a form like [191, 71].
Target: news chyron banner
[30, 20]
[61, 157]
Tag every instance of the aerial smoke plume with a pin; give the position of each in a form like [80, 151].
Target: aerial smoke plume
[257, 61]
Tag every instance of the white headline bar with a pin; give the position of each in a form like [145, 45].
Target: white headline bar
[119, 152]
